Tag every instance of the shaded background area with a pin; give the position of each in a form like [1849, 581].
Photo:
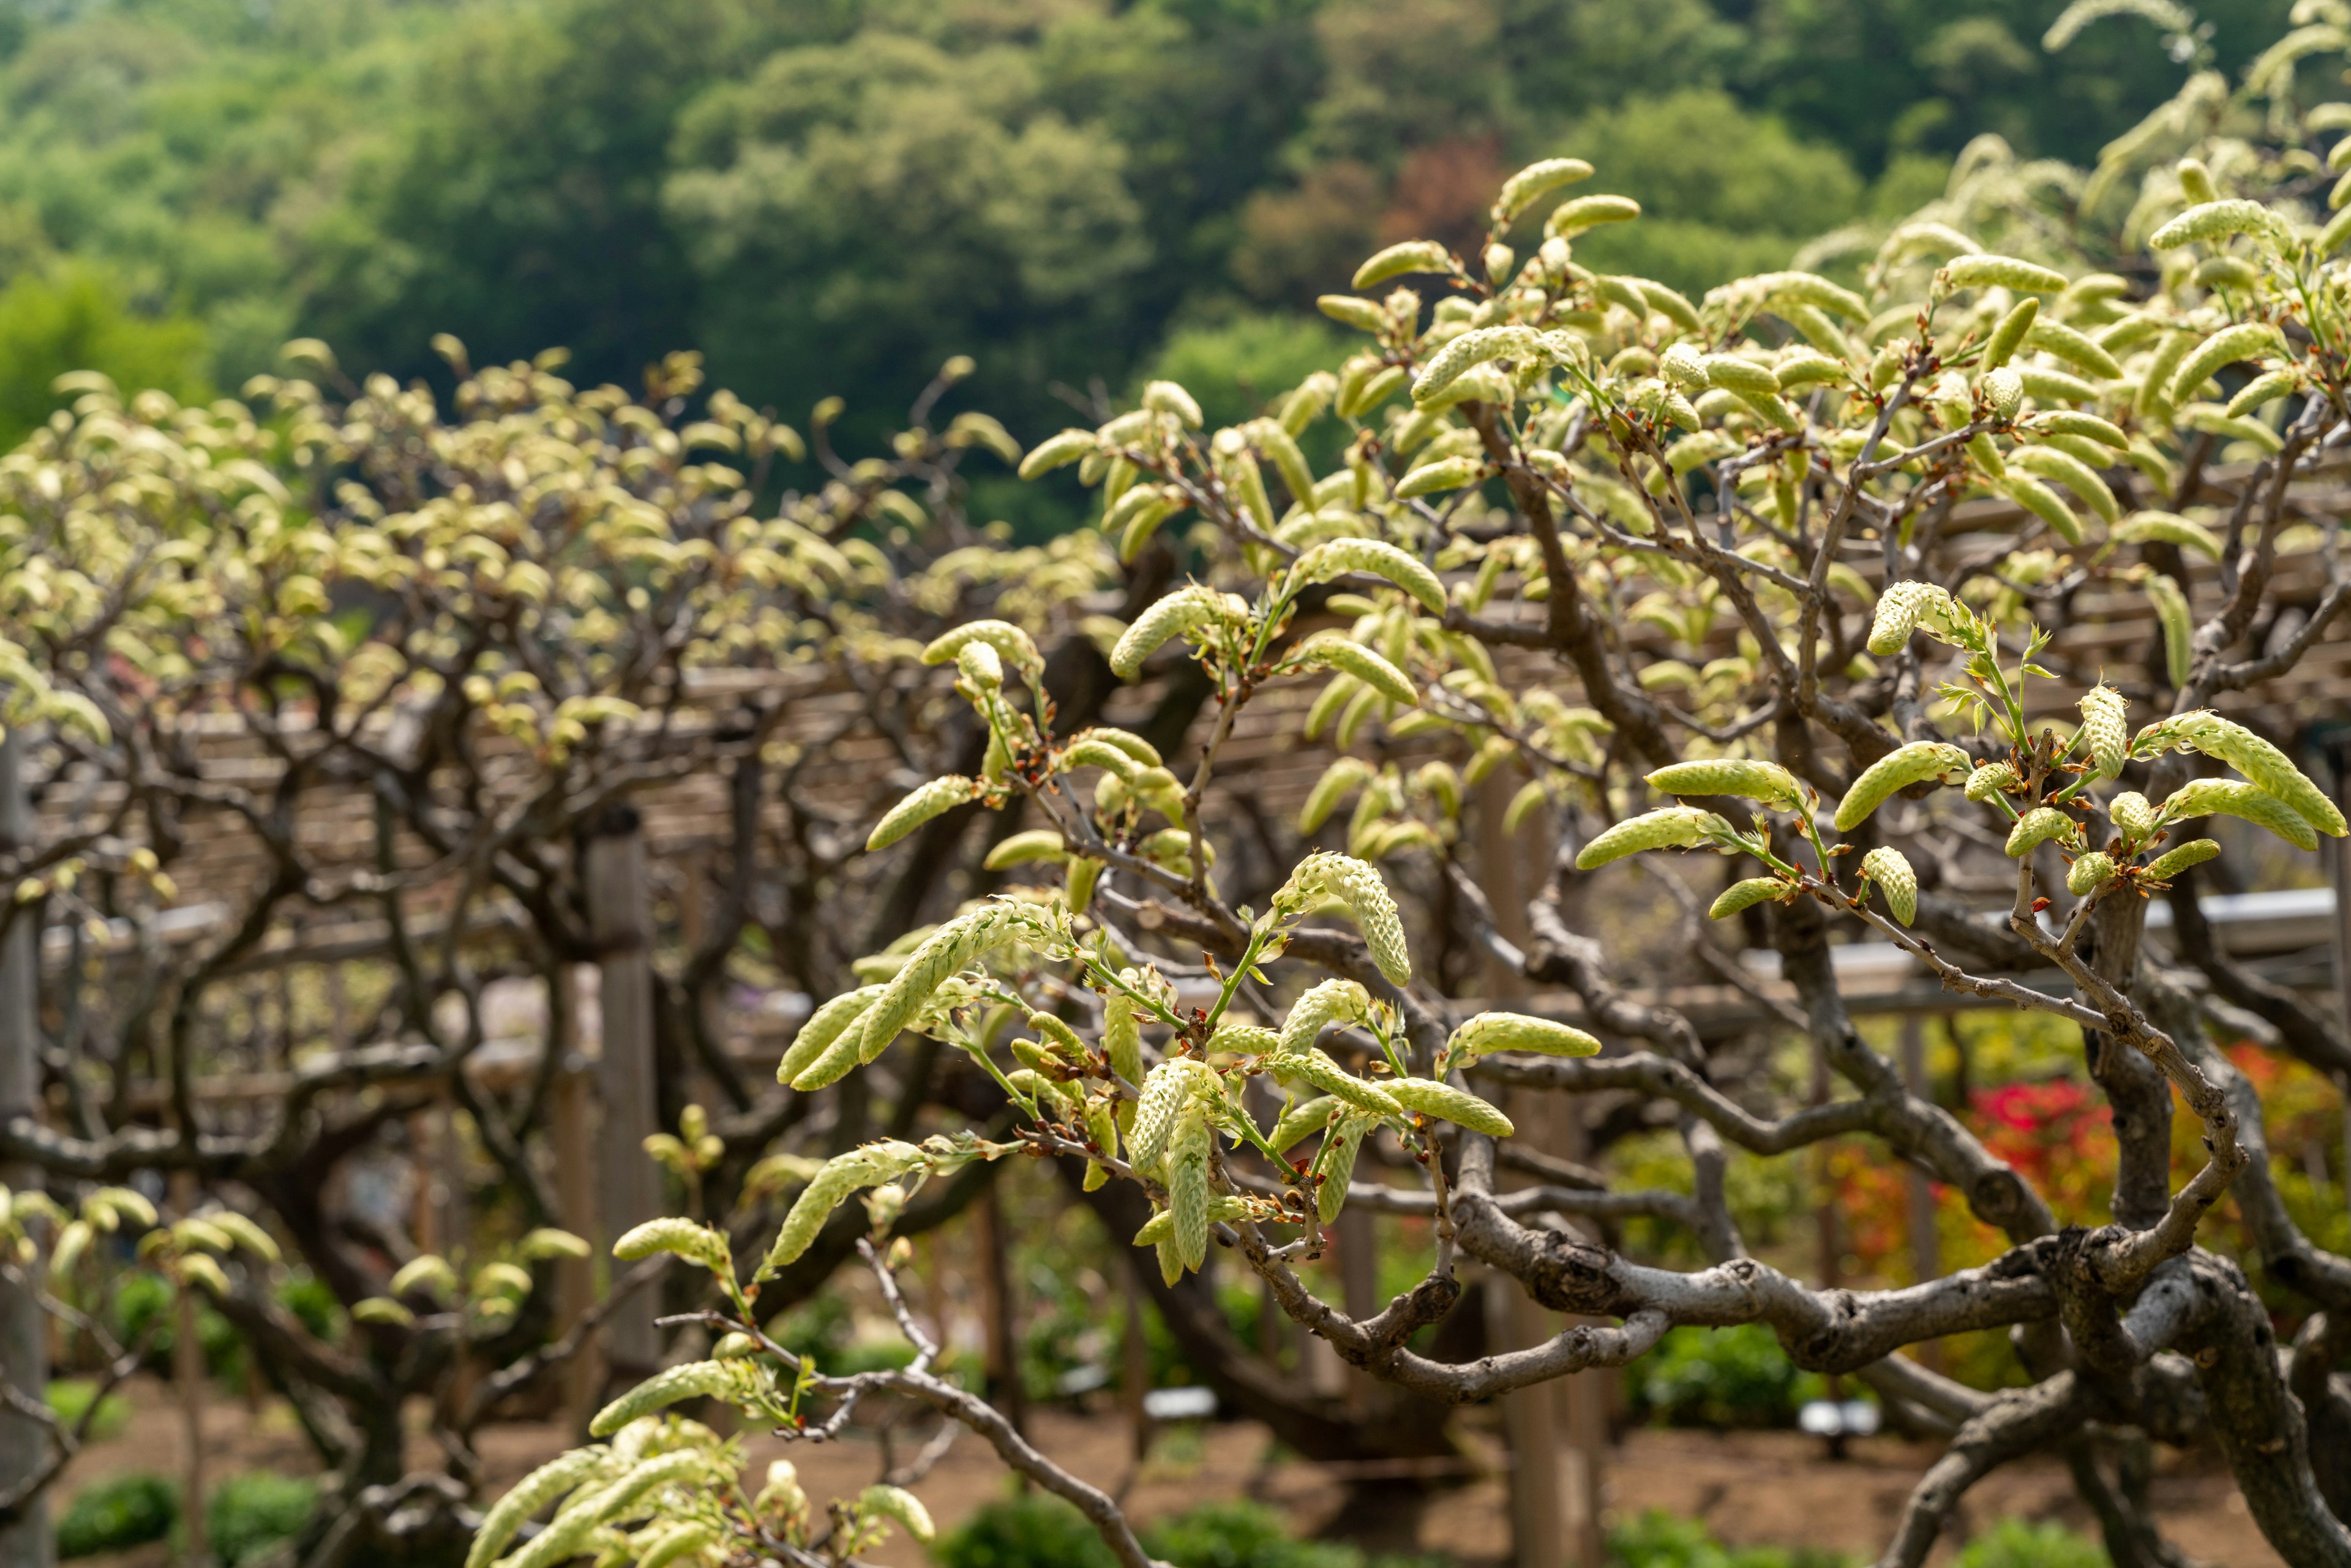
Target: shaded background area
[831, 197]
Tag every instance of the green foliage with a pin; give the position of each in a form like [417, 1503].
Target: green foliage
[117, 1513]
[1744, 207]
[1242, 1535]
[70, 317]
[1237, 362]
[1659, 1539]
[1005, 222]
[312, 1300]
[248, 1514]
[1031, 1531]
[71, 1398]
[1036, 1530]
[1045, 185]
[1733, 1377]
[2018, 1543]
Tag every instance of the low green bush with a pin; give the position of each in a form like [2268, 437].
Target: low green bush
[117, 1513]
[1661, 1540]
[2017, 1543]
[250, 1514]
[1733, 1377]
[1035, 1530]
[69, 1397]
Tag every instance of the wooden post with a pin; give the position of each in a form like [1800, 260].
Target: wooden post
[1134, 1362]
[1538, 1539]
[188, 1374]
[628, 1183]
[1557, 1433]
[1925, 1250]
[2338, 876]
[1359, 1282]
[1000, 1312]
[571, 1130]
[23, 1359]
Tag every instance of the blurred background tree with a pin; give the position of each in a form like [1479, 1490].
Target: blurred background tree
[186, 184]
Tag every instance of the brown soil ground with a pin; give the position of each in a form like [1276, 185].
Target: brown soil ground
[1750, 1488]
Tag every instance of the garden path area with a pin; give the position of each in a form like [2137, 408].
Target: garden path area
[1756, 1488]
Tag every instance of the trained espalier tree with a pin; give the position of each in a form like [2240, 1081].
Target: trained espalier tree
[1753, 575]
[476, 627]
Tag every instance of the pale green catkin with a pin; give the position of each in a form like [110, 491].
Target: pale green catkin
[1745, 894]
[1334, 650]
[1167, 397]
[1492, 1031]
[2001, 346]
[1320, 1006]
[2002, 272]
[1754, 781]
[1359, 887]
[823, 1027]
[1376, 558]
[1166, 1090]
[2170, 864]
[1282, 451]
[1396, 260]
[1533, 181]
[1672, 827]
[1444, 473]
[2218, 220]
[1335, 1162]
[1053, 452]
[1013, 645]
[1896, 772]
[1430, 1098]
[1244, 1038]
[2230, 797]
[981, 667]
[678, 1540]
[674, 1234]
[1122, 1031]
[2071, 421]
[2089, 873]
[1315, 1065]
[2168, 528]
[1476, 348]
[1992, 778]
[2043, 503]
[922, 803]
[2245, 341]
[691, 1380]
[1890, 870]
[1902, 609]
[1161, 1225]
[2038, 827]
[1187, 1188]
[2262, 763]
[1186, 609]
[2105, 728]
[1307, 1117]
[2179, 629]
[840, 1175]
[945, 951]
[529, 1495]
[2133, 816]
[2062, 468]
[1026, 848]
[2004, 390]
[2261, 390]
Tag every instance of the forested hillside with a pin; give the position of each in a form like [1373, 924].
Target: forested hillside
[831, 197]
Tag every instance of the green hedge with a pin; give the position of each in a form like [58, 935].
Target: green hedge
[117, 1513]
